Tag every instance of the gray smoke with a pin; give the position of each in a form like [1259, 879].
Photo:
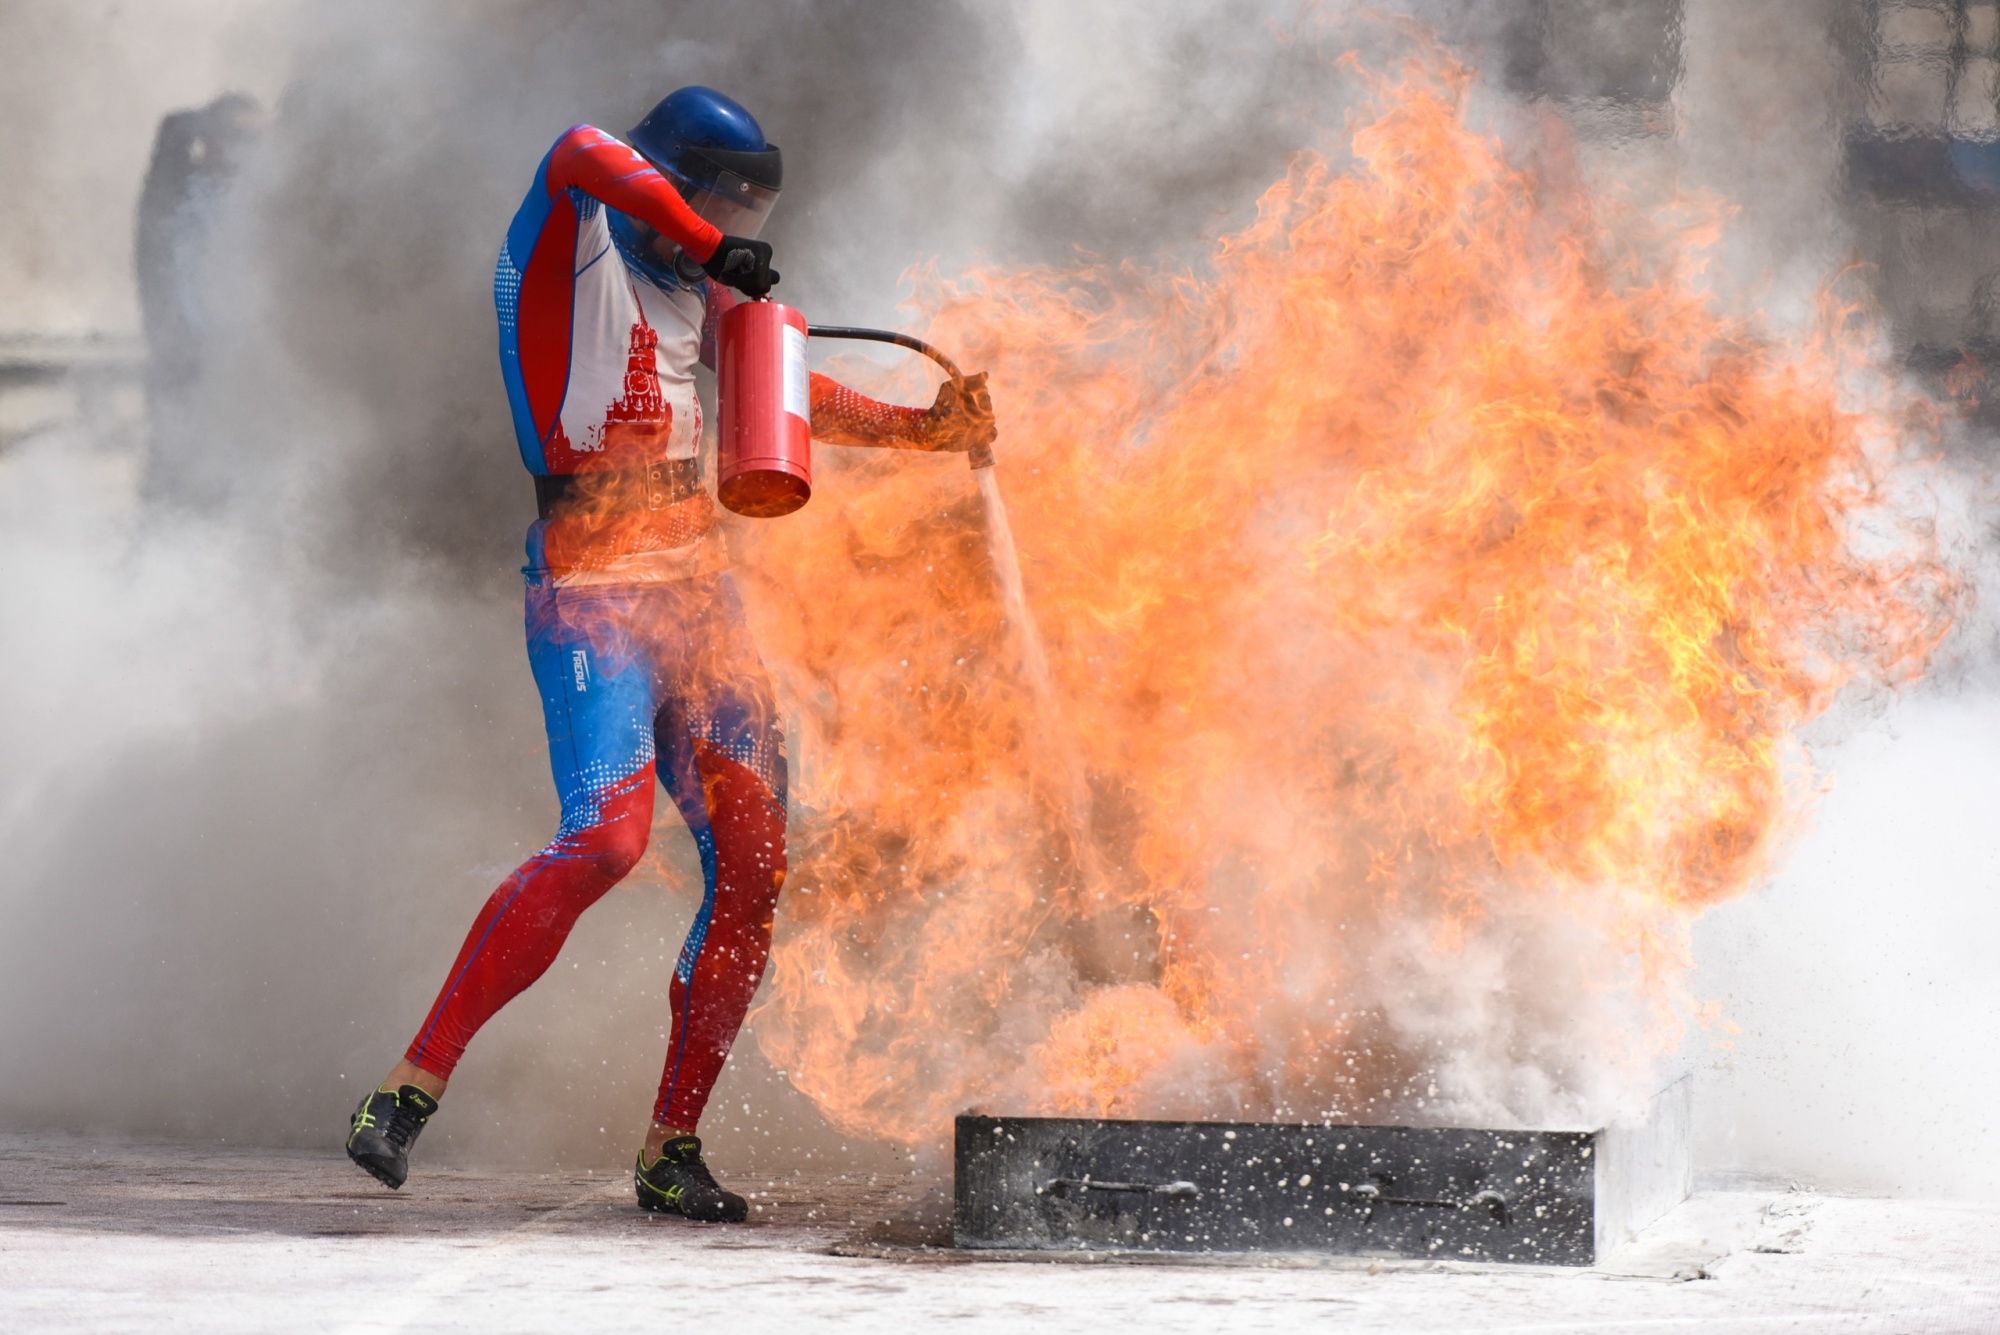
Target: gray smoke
[274, 739]
[284, 743]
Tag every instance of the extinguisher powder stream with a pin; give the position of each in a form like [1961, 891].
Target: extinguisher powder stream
[1071, 782]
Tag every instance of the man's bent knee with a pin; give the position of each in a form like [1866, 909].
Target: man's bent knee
[612, 849]
[618, 848]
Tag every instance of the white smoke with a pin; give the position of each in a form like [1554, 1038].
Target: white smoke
[1860, 987]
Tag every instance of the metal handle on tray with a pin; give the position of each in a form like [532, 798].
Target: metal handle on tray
[1062, 1186]
[1492, 1202]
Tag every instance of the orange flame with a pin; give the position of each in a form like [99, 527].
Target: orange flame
[1438, 570]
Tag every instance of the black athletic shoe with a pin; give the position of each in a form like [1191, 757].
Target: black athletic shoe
[678, 1182]
[383, 1129]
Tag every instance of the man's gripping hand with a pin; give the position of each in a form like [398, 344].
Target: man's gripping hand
[743, 264]
[961, 418]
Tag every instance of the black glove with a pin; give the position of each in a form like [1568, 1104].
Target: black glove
[742, 264]
[961, 418]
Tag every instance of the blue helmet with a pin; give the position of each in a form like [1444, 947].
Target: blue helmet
[716, 155]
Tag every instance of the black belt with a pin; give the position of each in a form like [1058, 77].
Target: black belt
[654, 487]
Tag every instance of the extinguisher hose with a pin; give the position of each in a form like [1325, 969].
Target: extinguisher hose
[981, 456]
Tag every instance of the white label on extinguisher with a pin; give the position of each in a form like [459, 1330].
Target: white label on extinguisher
[798, 402]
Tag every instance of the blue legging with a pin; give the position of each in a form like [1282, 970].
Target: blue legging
[637, 679]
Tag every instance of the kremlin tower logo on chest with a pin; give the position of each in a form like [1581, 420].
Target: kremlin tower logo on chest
[641, 419]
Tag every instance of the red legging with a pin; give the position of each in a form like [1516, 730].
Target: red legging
[703, 734]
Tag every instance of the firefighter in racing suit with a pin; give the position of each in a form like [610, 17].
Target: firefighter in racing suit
[613, 275]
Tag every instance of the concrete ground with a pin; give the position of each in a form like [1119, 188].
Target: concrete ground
[99, 1236]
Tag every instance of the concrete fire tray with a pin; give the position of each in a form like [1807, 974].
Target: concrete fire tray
[1525, 1197]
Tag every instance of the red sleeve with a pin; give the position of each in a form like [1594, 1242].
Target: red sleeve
[840, 416]
[588, 159]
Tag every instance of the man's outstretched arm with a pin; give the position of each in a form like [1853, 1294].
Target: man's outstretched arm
[959, 419]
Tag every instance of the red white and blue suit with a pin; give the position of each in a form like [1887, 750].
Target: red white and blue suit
[635, 632]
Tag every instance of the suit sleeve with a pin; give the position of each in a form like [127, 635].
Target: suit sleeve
[588, 159]
[841, 416]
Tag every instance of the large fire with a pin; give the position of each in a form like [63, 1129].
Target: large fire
[1430, 589]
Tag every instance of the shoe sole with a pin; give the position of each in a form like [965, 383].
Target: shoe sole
[661, 1207]
[381, 1172]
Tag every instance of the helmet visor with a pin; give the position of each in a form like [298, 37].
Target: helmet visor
[737, 206]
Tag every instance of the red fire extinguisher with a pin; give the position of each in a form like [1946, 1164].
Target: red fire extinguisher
[764, 454]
